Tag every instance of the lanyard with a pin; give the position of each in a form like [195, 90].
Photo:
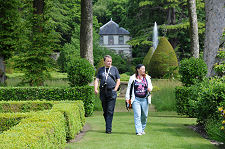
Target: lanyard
[107, 73]
[143, 80]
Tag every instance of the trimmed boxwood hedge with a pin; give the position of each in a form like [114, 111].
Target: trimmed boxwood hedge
[84, 93]
[44, 129]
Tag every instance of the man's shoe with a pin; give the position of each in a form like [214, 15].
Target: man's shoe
[143, 133]
[108, 132]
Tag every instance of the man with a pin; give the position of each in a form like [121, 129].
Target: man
[109, 83]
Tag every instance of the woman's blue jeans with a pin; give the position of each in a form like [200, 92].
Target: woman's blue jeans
[140, 108]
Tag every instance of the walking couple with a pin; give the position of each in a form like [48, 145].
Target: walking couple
[138, 90]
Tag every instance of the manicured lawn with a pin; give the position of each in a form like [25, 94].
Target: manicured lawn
[165, 130]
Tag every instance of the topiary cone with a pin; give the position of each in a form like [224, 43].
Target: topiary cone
[162, 59]
[148, 57]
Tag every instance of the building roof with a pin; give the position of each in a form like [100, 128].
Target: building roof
[112, 28]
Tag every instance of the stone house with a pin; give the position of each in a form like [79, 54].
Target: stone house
[114, 37]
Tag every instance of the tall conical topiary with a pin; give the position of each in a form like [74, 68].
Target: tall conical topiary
[163, 59]
[148, 57]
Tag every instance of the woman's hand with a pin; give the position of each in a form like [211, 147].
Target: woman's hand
[127, 100]
[149, 90]
[96, 91]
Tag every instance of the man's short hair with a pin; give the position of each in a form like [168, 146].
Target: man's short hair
[107, 56]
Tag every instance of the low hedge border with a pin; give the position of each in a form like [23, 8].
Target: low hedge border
[8, 120]
[24, 106]
[84, 93]
[74, 115]
[44, 129]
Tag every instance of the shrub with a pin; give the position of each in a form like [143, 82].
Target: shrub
[192, 70]
[212, 93]
[148, 57]
[80, 72]
[162, 59]
[43, 129]
[220, 66]
[213, 129]
[84, 93]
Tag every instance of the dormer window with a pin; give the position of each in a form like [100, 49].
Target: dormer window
[121, 39]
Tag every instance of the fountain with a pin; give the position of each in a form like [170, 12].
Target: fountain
[155, 37]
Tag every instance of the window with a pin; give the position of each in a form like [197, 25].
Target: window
[121, 39]
[101, 40]
[110, 40]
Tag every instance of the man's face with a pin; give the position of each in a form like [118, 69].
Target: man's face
[108, 62]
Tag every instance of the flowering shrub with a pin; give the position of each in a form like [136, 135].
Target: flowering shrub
[221, 109]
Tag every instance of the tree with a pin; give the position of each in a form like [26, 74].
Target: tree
[34, 58]
[215, 23]
[86, 31]
[193, 28]
[9, 28]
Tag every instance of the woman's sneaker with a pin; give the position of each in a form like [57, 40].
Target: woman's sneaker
[139, 134]
[143, 133]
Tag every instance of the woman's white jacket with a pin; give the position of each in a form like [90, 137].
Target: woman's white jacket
[132, 78]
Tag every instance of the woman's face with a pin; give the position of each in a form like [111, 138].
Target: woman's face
[141, 71]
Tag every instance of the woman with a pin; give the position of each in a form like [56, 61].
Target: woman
[138, 91]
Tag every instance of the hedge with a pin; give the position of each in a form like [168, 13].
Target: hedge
[43, 129]
[201, 100]
[74, 115]
[84, 93]
[24, 106]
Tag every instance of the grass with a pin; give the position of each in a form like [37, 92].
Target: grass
[57, 79]
[163, 96]
[164, 130]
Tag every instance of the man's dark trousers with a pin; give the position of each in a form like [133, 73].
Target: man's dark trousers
[108, 100]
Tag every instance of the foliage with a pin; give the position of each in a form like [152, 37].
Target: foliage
[192, 70]
[34, 56]
[41, 130]
[148, 57]
[106, 9]
[163, 94]
[65, 17]
[24, 106]
[85, 93]
[220, 67]
[11, 23]
[80, 72]
[213, 129]
[201, 100]
[119, 61]
[74, 116]
[69, 52]
[162, 59]
[72, 111]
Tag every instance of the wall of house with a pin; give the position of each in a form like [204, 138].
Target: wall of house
[124, 49]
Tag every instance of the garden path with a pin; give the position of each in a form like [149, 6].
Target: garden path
[164, 130]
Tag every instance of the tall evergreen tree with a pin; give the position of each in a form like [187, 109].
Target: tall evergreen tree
[34, 59]
[9, 32]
